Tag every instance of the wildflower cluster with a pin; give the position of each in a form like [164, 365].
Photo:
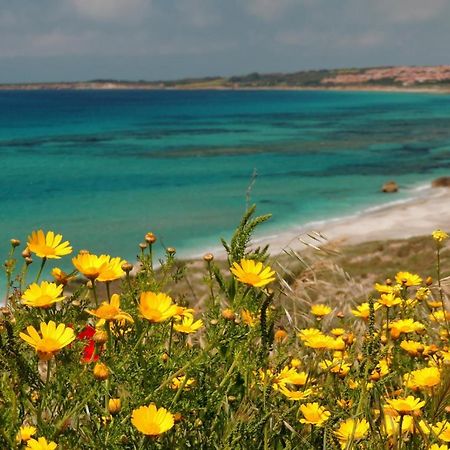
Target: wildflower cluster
[111, 355]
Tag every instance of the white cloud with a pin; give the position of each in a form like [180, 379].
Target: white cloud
[268, 9]
[107, 10]
[405, 11]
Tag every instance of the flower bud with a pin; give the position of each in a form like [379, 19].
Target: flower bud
[228, 314]
[28, 260]
[114, 405]
[429, 281]
[26, 253]
[280, 336]
[208, 257]
[388, 282]
[15, 242]
[150, 238]
[165, 357]
[143, 245]
[127, 267]
[101, 371]
[177, 417]
[171, 250]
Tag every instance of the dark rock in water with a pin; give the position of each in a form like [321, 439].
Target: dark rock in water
[441, 182]
[389, 187]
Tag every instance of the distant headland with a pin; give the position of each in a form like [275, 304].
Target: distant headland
[391, 78]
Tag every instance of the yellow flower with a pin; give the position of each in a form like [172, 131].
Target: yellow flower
[363, 310]
[113, 269]
[307, 333]
[295, 395]
[114, 405]
[156, 307]
[351, 431]
[422, 293]
[413, 348]
[439, 236]
[438, 447]
[25, 432]
[405, 326]
[183, 312]
[320, 310]
[389, 300]
[405, 406]
[295, 362]
[178, 382]
[53, 339]
[423, 378]
[49, 245]
[60, 276]
[248, 318]
[188, 325]
[384, 288]
[408, 279]
[439, 316]
[152, 421]
[101, 268]
[322, 341]
[110, 311]
[392, 424]
[442, 431]
[337, 366]
[252, 273]
[101, 371]
[40, 444]
[314, 414]
[43, 295]
[337, 331]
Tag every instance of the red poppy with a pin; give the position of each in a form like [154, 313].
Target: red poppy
[89, 352]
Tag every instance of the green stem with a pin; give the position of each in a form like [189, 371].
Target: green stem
[108, 292]
[40, 269]
[94, 291]
[170, 337]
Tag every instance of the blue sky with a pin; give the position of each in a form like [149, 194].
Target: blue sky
[65, 40]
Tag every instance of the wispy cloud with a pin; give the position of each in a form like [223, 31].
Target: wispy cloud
[407, 11]
[268, 9]
[106, 10]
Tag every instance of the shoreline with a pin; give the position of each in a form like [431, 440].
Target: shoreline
[150, 87]
[418, 215]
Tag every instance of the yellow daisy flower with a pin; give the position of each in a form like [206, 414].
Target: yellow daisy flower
[152, 421]
[252, 273]
[351, 430]
[101, 268]
[25, 432]
[188, 325]
[442, 430]
[40, 444]
[389, 300]
[110, 311]
[408, 279]
[295, 395]
[363, 310]
[53, 338]
[400, 326]
[423, 378]
[439, 236]
[438, 447]
[43, 295]
[156, 307]
[405, 406]
[248, 318]
[177, 382]
[320, 310]
[314, 414]
[48, 246]
[392, 425]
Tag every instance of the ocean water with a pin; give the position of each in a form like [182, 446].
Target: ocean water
[105, 167]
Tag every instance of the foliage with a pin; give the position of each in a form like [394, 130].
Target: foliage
[245, 368]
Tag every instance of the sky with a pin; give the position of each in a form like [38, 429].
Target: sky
[73, 40]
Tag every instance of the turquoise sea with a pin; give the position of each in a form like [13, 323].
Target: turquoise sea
[105, 167]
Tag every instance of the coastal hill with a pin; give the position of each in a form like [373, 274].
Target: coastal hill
[434, 78]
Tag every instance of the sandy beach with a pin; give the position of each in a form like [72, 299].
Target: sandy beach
[417, 216]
